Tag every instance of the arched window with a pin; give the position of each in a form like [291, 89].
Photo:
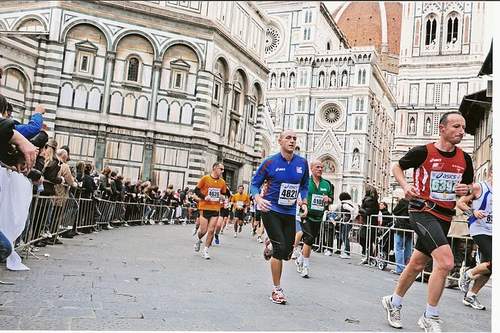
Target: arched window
[358, 102]
[359, 76]
[291, 81]
[328, 46]
[430, 30]
[282, 80]
[452, 29]
[362, 104]
[273, 81]
[133, 69]
[321, 79]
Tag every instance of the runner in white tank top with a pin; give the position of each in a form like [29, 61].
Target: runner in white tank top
[480, 228]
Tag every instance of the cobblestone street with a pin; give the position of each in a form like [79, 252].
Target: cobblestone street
[149, 278]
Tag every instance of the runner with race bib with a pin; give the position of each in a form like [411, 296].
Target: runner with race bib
[209, 190]
[441, 172]
[320, 196]
[287, 175]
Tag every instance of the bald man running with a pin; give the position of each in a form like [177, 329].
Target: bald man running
[287, 175]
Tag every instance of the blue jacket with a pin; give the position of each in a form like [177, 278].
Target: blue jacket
[286, 180]
[32, 128]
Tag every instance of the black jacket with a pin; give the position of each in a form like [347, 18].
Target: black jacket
[401, 209]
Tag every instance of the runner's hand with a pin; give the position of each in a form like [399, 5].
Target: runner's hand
[480, 214]
[461, 189]
[410, 192]
[304, 211]
[265, 205]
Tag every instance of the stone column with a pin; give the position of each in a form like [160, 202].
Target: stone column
[100, 147]
[226, 107]
[110, 66]
[201, 126]
[47, 81]
[259, 127]
[147, 164]
[155, 87]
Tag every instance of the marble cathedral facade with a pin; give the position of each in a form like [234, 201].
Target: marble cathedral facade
[154, 89]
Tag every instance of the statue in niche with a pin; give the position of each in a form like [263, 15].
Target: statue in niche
[344, 80]
[233, 129]
[321, 80]
[355, 159]
[292, 81]
[412, 125]
[428, 125]
[333, 80]
[328, 166]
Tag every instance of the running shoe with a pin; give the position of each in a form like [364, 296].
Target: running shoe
[278, 297]
[431, 324]
[393, 313]
[305, 272]
[328, 253]
[464, 280]
[205, 254]
[296, 253]
[216, 239]
[299, 264]
[344, 255]
[473, 302]
[197, 245]
[259, 239]
[235, 235]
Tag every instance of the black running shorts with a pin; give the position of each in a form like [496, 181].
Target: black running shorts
[224, 212]
[484, 244]
[280, 229]
[258, 215]
[311, 231]
[239, 214]
[431, 231]
[208, 214]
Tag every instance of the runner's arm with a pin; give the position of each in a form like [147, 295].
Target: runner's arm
[304, 185]
[259, 178]
[463, 202]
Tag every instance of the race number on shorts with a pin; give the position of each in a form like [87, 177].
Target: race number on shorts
[288, 194]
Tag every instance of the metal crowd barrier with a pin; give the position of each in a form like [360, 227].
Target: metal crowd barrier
[52, 216]
[375, 243]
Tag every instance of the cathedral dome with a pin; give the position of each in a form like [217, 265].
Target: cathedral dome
[367, 23]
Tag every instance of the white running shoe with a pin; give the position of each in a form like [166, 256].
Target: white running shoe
[259, 239]
[432, 324]
[393, 312]
[205, 254]
[296, 253]
[235, 235]
[197, 245]
[344, 255]
[328, 253]
[305, 272]
[299, 265]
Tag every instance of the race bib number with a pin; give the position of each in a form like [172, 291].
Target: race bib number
[288, 194]
[239, 204]
[443, 185]
[317, 202]
[213, 194]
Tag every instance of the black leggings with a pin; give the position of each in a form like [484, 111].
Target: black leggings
[280, 229]
[485, 248]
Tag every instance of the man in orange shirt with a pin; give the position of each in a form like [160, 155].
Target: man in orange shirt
[240, 203]
[209, 190]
